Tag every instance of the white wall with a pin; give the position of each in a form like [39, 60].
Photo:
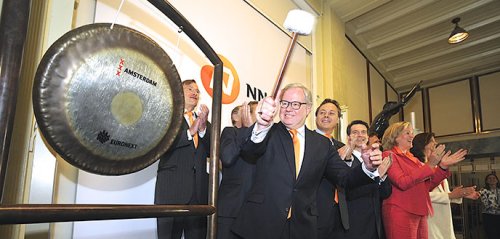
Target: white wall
[253, 45]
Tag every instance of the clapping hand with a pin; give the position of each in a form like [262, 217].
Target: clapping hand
[344, 151]
[246, 117]
[372, 157]
[449, 159]
[464, 192]
[384, 166]
[203, 117]
[436, 156]
[200, 123]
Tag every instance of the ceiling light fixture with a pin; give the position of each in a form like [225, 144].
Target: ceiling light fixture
[458, 34]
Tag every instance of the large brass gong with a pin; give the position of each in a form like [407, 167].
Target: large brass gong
[109, 101]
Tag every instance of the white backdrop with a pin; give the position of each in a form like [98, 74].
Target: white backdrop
[253, 45]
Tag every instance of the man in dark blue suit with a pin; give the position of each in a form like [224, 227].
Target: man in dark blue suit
[237, 174]
[330, 216]
[363, 203]
[291, 160]
[182, 177]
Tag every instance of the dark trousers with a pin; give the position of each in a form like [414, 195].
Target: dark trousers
[194, 227]
[491, 225]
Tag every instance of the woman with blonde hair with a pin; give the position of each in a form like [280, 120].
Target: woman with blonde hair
[405, 212]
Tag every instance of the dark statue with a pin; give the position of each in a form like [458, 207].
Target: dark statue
[381, 121]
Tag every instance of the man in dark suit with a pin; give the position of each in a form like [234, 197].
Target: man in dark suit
[291, 160]
[363, 203]
[237, 174]
[329, 214]
[182, 175]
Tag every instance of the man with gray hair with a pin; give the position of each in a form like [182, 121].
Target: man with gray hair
[290, 162]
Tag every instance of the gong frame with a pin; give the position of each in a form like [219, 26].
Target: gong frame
[42, 213]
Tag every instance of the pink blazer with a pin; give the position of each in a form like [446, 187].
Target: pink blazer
[411, 182]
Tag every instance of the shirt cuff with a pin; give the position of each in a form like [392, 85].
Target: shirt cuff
[372, 175]
[259, 135]
[201, 134]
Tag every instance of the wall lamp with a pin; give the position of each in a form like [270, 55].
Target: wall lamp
[458, 34]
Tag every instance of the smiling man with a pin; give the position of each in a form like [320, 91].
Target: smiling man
[329, 214]
[290, 162]
[182, 177]
[364, 203]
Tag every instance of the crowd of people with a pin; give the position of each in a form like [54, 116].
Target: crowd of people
[284, 180]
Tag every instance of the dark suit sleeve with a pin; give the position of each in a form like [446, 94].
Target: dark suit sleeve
[251, 151]
[338, 173]
[385, 189]
[230, 146]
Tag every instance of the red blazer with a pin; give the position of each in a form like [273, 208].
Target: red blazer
[411, 182]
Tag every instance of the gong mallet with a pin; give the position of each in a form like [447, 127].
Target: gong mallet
[299, 22]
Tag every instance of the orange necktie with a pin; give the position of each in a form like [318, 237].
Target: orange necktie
[296, 151]
[191, 121]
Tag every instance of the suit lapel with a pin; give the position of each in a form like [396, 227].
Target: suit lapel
[355, 161]
[307, 152]
[286, 142]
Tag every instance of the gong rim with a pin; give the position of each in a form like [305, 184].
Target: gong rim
[53, 113]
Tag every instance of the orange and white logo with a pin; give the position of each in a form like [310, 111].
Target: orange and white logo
[230, 81]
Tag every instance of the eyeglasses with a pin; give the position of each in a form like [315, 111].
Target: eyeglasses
[295, 104]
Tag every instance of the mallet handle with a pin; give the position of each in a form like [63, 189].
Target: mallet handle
[277, 85]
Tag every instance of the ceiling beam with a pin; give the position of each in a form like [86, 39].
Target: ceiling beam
[391, 17]
[413, 46]
[479, 57]
[435, 54]
[424, 25]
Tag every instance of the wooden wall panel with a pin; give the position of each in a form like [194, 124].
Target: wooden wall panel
[489, 86]
[451, 109]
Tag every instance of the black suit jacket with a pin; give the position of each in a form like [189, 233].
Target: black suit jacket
[328, 212]
[237, 175]
[275, 189]
[182, 171]
[364, 206]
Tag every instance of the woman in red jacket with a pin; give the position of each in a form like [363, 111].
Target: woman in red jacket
[405, 211]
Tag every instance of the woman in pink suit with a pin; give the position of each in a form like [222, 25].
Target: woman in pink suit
[405, 211]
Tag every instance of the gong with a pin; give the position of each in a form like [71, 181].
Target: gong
[108, 100]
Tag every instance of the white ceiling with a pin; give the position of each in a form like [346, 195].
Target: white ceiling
[406, 40]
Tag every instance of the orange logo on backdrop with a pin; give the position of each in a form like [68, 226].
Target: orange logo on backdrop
[230, 81]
